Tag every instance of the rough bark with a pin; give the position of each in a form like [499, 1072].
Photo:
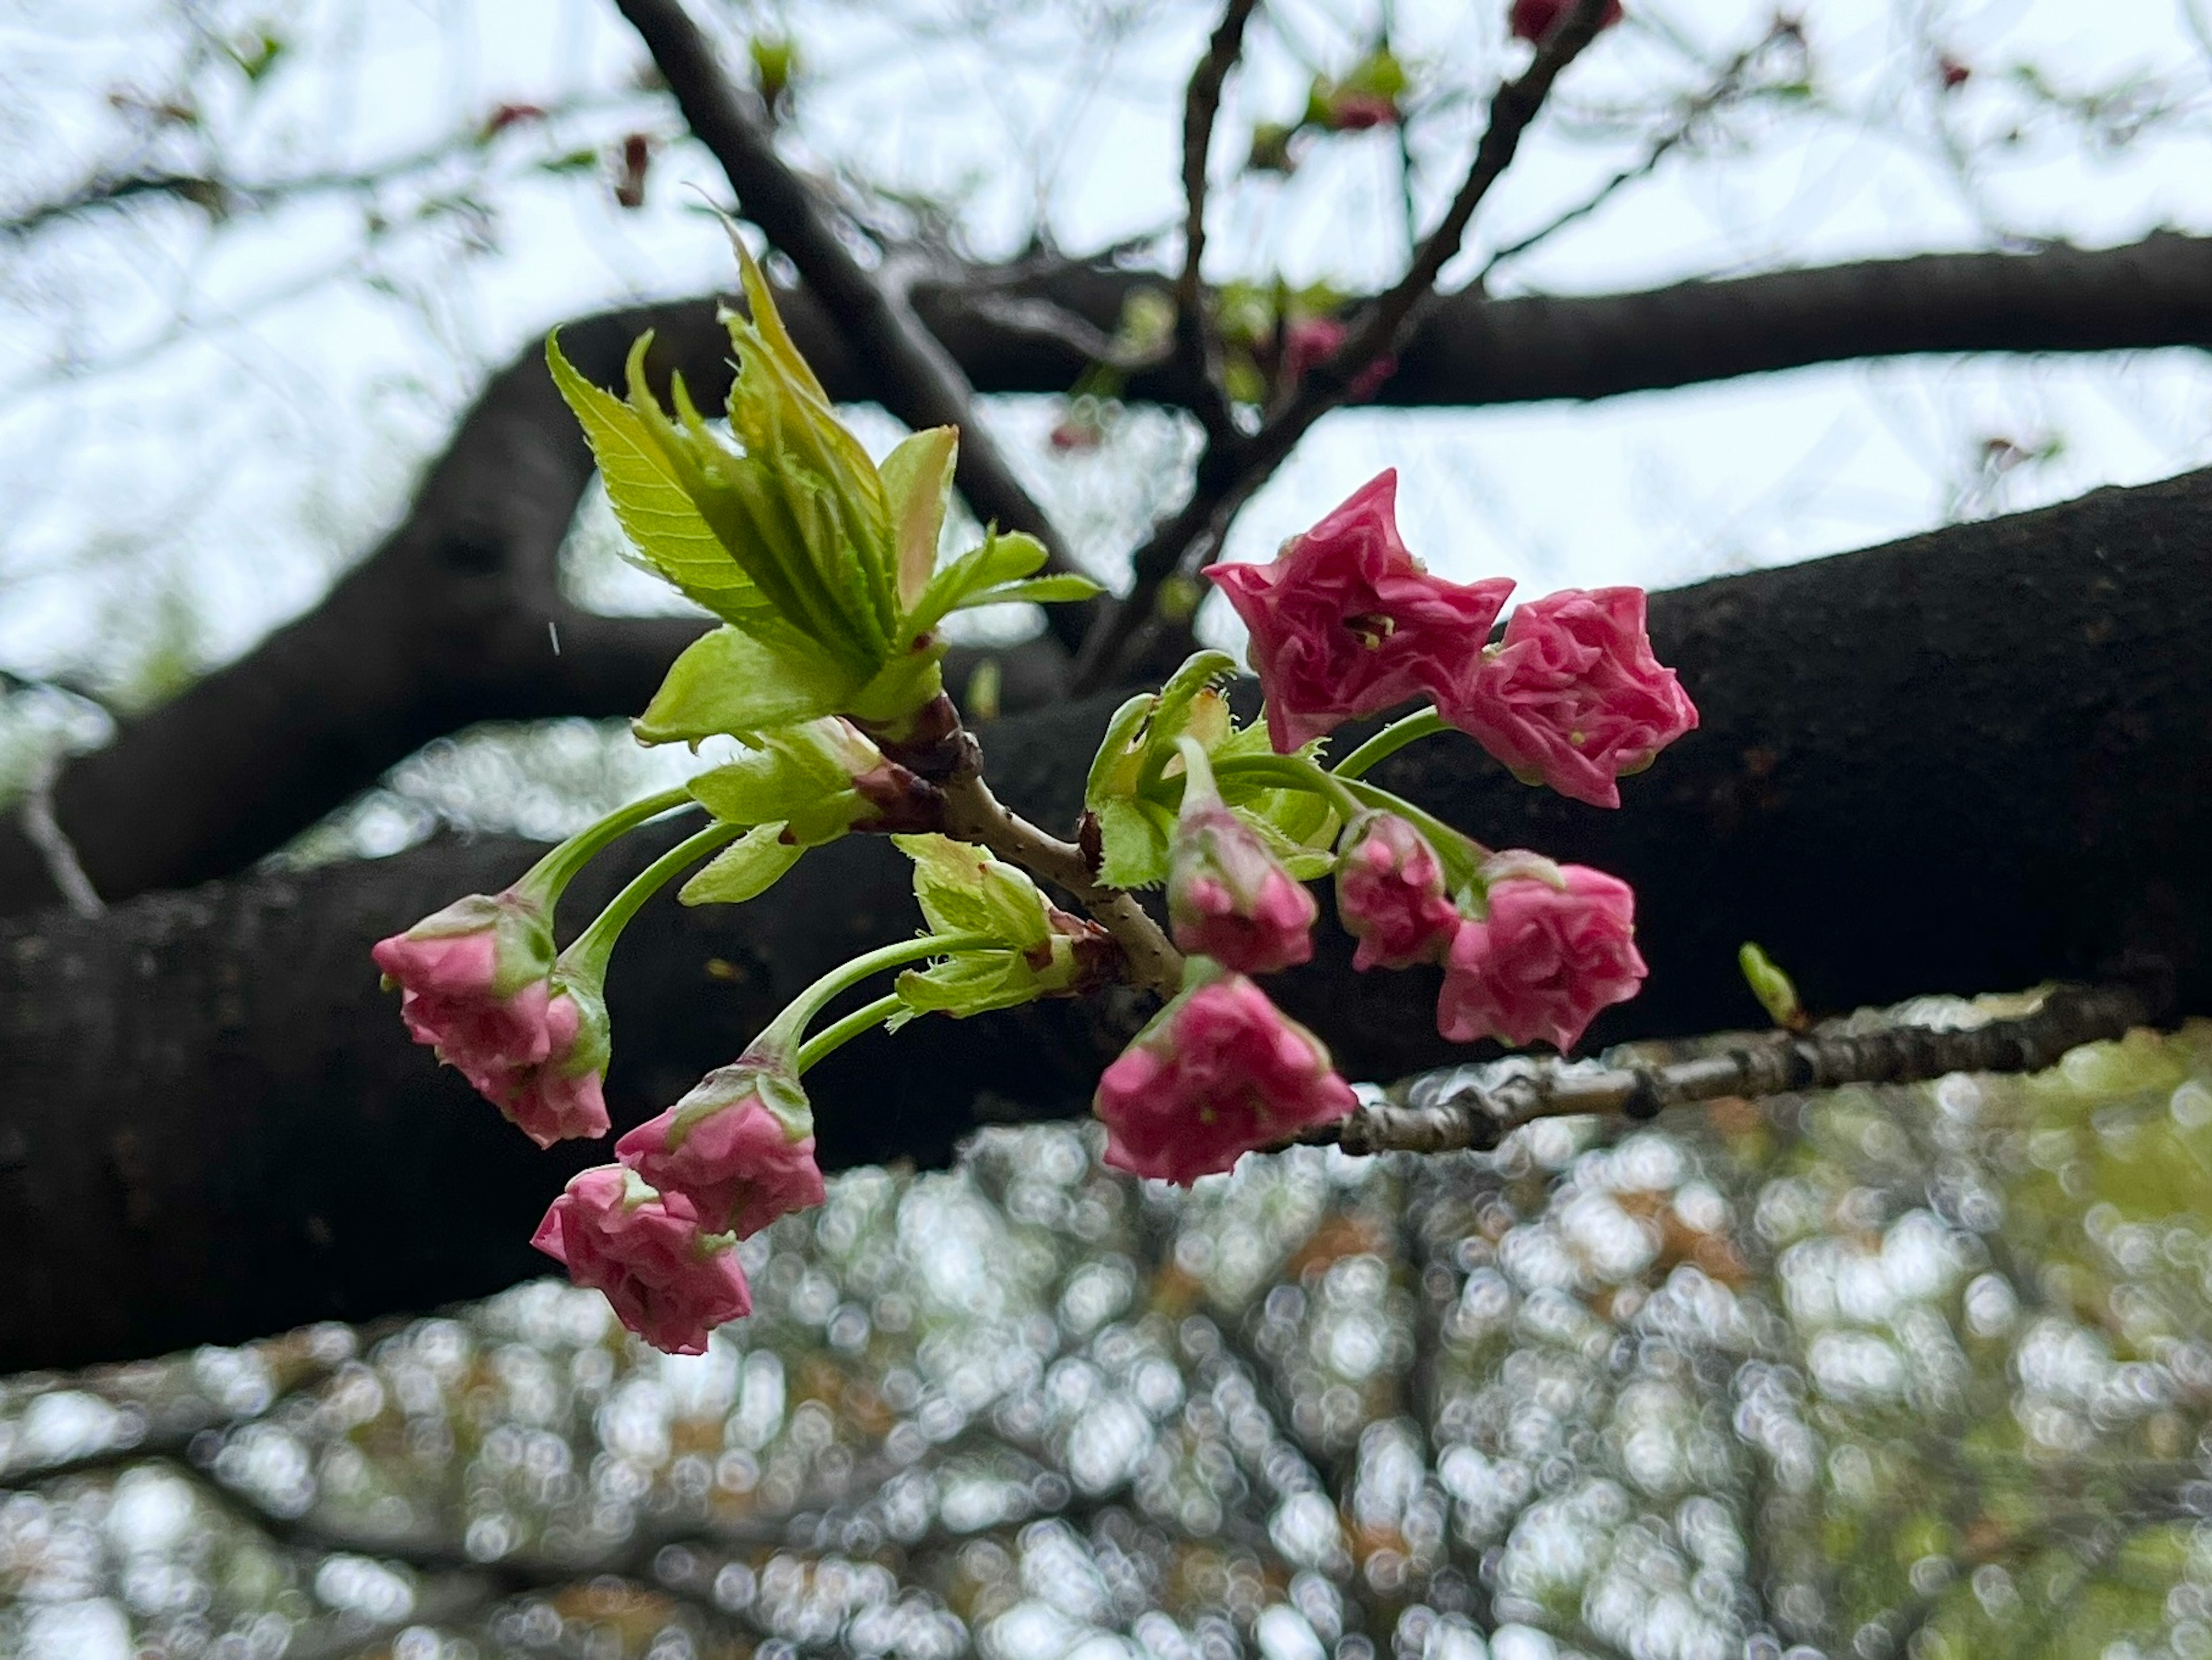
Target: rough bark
[1969, 760]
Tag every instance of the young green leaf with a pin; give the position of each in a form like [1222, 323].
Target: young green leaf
[1000, 560]
[963, 890]
[744, 870]
[1038, 589]
[801, 776]
[732, 682]
[917, 476]
[1134, 844]
[665, 530]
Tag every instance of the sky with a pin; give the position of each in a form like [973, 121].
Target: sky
[205, 421]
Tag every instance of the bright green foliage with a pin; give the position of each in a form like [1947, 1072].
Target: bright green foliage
[1136, 780]
[730, 681]
[963, 890]
[822, 564]
[802, 776]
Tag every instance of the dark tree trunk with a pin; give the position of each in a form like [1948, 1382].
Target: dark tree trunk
[1969, 760]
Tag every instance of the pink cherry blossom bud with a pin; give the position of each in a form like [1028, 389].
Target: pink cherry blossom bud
[1544, 960]
[1218, 1072]
[739, 1148]
[1532, 20]
[561, 1097]
[1229, 897]
[1573, 697]
[1390, 895]
[473, 981]
[669, 1281]
[1345, 622]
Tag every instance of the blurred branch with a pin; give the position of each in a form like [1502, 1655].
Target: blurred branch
[1228, 473]
[222, 197]
[1195, 342]
[921, 382]
[1451, 1111]
[1726, 85]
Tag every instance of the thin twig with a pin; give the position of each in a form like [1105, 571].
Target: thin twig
[1195, 342]
[1457, 1110]
[1724, 87]
[44, 831]
[1227, 479]
[921, 383]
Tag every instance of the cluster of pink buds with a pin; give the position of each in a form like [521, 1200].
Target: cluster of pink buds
[822, 565]
[1347, 623]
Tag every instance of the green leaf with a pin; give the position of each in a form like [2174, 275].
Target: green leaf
[962, 889]
[1135, 843]
[732, 682]
[665, 527]
[970, 983]
[745, 869]
[917, 476]
[801, 776]
[1116, 748]
[1038, 589]
[1000, 560]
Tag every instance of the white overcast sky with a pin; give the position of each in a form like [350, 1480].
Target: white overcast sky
[293, 385]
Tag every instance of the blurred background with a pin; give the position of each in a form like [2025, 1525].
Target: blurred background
[1880, 1371]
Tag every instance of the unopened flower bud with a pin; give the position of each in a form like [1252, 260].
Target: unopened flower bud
[1220, 1071]
[668, 1279]
[739, 1146]
[473, 981]
[1229, 897]
[1390, 895]
[1543, 959]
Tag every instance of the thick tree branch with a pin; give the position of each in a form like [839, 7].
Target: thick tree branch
[917, 378]
[1978, 758]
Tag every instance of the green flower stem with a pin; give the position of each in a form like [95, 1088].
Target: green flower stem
[1293, 772]
[784, 1032]
[552, 873]
[1460, 853]
[1422, 723]
[832, 1037]
[588, 955]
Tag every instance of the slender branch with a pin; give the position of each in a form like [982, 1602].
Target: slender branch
[921, 382]
[1724, 87]
[220, 196]
[1451, 1110]
[974, 814]
[1195, 342]
[1226, 480]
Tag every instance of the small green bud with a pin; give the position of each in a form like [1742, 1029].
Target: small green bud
[1773, 988]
